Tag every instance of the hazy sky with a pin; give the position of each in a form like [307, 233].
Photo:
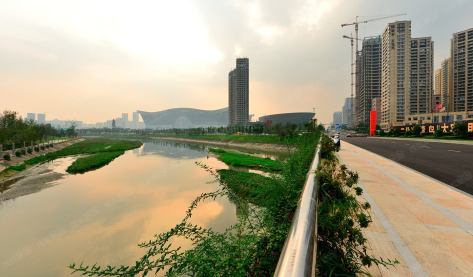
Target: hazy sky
[93, 59]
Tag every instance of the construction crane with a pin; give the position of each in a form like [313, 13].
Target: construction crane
[366, 21]
[356, 39]
[351, 38]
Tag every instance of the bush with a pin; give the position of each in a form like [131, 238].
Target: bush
[460, 130]
[18, 153]
[438, 133]
[23, 151]
[6, 157]
[416, 131]
[36, 148]
[42, 147]
[29, 150]
[51, 145]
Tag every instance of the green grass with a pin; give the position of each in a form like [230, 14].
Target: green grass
[19, 167]
[87, 147]
[244, 160]
[93, 162]
[255, 188]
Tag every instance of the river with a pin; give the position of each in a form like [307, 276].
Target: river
[102, 215]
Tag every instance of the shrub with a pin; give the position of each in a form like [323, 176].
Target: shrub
[438, 133]
[23, 151]
[416, 131]
[6, 157]
[460, 130]
[29, 150]
[36, 148]
[42, 147]
[51, 145]
[18, 153]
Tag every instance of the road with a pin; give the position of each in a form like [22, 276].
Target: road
[421, 222]
[446, 162]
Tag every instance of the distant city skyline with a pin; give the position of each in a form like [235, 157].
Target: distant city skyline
[161, 55]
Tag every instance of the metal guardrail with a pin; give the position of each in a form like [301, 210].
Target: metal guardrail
[299, 252]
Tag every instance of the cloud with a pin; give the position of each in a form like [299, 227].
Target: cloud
[118, 56]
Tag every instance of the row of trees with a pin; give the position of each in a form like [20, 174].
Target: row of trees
[16, 130]
[283, 130]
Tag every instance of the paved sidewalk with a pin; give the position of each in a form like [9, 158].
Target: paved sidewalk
[423, 223]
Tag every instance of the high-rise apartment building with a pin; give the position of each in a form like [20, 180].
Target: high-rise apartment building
[31, 116]
[446, 85]
[136, 117]
[337, 118]
[238, 93]
[437, 81]
[395, 73]
[347, 112]
[41, 118]
[419, 100]
[462, 68]
[369, 80]
[443, 83]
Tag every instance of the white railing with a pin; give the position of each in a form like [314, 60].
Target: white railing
[299, 252]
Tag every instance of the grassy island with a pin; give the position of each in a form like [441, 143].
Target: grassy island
[244, 160]
[99, 152]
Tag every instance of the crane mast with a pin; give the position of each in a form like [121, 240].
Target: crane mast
[356, 23]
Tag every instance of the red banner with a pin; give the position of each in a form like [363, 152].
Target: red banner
[372, 123]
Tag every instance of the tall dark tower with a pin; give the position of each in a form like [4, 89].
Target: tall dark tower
[238, 93]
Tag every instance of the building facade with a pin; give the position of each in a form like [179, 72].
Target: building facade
[41, 118]
[462, 67]
[446, 85]
[238, 93]
[395, 73]
[31, 116]
[421, 76]
[347, 112]
[370, 77]
[337, 119]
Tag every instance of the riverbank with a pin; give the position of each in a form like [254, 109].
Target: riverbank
[18, 161]
[245, 145]
[33, 174]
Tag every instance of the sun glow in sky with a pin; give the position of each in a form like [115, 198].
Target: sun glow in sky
[91, 60]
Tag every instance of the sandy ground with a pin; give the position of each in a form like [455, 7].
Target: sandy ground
[29, 181]
[264, 147]
[32, 179]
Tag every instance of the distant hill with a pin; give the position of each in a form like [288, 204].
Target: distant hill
[185, 118]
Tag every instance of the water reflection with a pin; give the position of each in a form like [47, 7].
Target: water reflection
[100, 216]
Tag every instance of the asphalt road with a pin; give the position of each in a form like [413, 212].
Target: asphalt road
[447, 162]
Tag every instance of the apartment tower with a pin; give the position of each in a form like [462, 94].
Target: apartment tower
[370, 77]
[238, 93]
[462, 71]
[421, 76]
[395, 73]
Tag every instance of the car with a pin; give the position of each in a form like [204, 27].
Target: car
[349, 135]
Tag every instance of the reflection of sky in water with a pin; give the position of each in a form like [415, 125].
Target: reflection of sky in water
[100, 216]
[172, 149]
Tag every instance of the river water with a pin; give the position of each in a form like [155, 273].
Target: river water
[102, 215]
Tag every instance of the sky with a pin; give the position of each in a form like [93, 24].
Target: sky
[91, 60]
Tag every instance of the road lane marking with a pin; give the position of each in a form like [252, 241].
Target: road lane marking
[411, 261]
[456, 151]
